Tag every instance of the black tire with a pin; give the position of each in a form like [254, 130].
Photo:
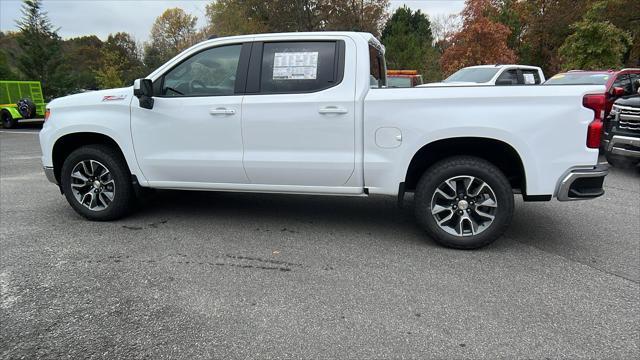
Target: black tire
[465, 168]
[26, 108]
[620, 161]
[112, 159]
[8, 122]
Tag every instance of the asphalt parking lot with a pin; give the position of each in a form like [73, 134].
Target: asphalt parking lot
[227, 275]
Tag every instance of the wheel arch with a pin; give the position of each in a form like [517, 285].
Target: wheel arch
[500, 153]
[66, 144]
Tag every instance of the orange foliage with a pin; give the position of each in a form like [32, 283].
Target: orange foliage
[480, 41]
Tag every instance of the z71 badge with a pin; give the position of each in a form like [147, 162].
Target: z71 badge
[114, 97]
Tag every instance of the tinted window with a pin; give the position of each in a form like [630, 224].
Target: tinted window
[531, 77]
[208, 73]
[289, 67]
[578, 78]
[623, 81]
[377, 70]
[399, 82]
[509, 77]
[476, 75]
[635, 82]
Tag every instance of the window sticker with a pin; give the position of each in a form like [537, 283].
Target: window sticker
[529, 79]
[295, 66]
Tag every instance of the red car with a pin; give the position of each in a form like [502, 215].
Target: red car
[617, 83]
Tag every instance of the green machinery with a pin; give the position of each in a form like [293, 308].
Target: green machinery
[20, 100]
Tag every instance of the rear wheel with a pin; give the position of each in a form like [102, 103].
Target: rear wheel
[8, 122]
[97, 183]
[464, 202]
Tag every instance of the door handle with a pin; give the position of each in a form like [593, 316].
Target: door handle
[222, 111]
[333, 110]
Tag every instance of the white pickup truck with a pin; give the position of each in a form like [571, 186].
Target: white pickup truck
[493, 75]
[309, 113]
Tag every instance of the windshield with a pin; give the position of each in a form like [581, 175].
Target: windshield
[400, 82]
[476, 75]
[578, 79]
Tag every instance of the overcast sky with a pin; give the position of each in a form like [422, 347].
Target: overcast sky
[101, 17]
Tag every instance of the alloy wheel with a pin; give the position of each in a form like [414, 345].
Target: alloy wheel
[92, 185]
[464, 205]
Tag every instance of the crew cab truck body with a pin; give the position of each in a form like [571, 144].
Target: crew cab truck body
[309, 113]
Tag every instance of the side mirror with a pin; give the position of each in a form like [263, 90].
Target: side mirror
[143, 90]
[617, 91]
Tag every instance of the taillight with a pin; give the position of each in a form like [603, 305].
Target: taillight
[594, 133]
[596, 103]
[47, 112]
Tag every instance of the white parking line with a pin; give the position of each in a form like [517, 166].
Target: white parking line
[19, 132]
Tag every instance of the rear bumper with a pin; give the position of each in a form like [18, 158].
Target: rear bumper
[624, 145]
[51, 176]
[582, 184]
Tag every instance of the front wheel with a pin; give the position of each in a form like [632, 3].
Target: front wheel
[97, 183]
[464, 202]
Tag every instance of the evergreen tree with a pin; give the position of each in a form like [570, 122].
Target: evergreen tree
[41, 57]
[409, 43]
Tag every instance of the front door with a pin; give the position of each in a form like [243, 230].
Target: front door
[193, 133]
[298, 121]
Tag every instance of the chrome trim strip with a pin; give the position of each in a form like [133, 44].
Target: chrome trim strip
[626, 140]
[49, 173]
[625, 152]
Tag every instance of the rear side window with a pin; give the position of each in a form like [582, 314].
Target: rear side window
[531, 77]
[299, 67]
[377, 68]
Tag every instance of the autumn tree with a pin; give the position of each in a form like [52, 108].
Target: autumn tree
[480, 41]
[443, 27]
[172, 32]
[39, 42]
[545, 27]
[233, 17]
[129, 56]
[82, 55]
[409, 43]
[595, 43]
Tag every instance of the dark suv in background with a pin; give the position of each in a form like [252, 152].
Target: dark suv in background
[622, 130]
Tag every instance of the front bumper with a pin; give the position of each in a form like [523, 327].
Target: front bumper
[582, 184]
[50, 174]
[624, 145]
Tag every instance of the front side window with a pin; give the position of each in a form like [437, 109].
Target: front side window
[509, 77]
[635, 82]
[208, 73]
[294, 67]
[623, 81]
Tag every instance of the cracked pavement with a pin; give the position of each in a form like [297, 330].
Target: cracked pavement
[229, 275]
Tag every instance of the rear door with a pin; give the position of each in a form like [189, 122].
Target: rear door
[298, 123]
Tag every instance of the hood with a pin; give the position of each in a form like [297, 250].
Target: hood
[633, 101]
[109, 96]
